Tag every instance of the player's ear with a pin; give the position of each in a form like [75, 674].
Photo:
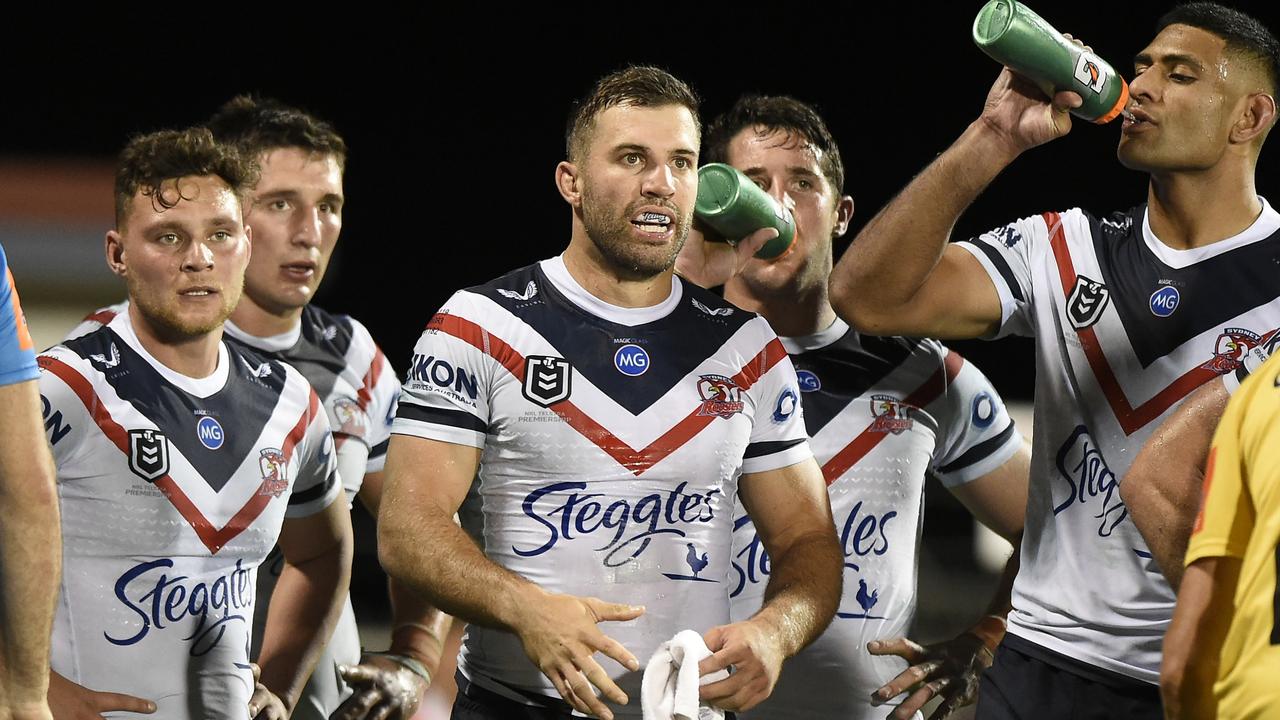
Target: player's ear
[844, 213]
[569, 183]
[115, 253]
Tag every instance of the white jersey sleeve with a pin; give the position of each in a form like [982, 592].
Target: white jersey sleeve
[317, 483]
[97, 319]
[1007, 254]
[778, 436]
[445, 395]
[977, 435]
[66, 420]
[379, 394]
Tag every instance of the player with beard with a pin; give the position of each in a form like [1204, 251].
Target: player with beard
[882, 414]
[613, 411]
[181, 461]
[1131, 313]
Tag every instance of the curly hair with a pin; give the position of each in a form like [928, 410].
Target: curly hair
[636, 86]
[259, 125]
[150, 160]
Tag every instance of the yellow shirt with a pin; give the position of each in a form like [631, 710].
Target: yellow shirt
[1240, 518]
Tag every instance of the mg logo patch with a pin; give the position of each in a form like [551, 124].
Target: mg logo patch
[148, 454]
[1088, 300]
[547, 379]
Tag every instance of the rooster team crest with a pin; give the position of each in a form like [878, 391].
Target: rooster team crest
[891, 415]
[720, 396]
[349, 417]
[1230, 350]
[275, 472]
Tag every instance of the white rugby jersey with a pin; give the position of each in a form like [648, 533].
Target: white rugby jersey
[880, 413]
[337, 355]
[358, 389]
[1125, 328]
[612, 441]
[172, 491]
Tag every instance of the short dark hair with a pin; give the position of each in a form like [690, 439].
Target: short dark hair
[637, 86]
[1243, 34]
[150, 160]
[259, 125]
[776, 113]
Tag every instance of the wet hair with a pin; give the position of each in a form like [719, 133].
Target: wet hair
[1243, 34]
[635, 86]
[151, 160]
[776, 113]
[259, 125]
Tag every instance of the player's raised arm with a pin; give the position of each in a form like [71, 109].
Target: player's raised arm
[899, 276]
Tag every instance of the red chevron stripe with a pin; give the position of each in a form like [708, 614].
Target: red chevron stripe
[1131, 418]
[365, 394]
[213, 538]
[636, 461]
[866, 440]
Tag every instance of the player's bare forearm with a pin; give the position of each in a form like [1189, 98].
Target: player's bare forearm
[1162, 487]
[30, 546]
[421, 546]
[1189, 664]
[307, 599]
[894, 255]
[418, 628]
[1000, 603]
[434, 558]
[804, 589]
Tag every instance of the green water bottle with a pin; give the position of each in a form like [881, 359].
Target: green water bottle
[1018, 38]
[735, 207]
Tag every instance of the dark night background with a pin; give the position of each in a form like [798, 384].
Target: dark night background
[455, 117]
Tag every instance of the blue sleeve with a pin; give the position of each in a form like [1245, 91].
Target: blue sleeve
[17, 354]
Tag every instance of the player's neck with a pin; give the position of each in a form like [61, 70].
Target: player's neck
[597, 276]
[791, 313]
[1191, 210]
[195, 357]
[260, 322]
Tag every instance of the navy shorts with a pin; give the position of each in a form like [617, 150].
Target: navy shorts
[1029, 682]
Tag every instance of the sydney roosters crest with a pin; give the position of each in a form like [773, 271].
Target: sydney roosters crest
[350, 418]
[1230, 350]
[891, 415]
[275, 472]
[720, 395]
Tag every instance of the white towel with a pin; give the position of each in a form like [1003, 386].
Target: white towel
[669, 690]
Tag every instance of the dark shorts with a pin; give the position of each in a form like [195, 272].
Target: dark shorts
[1029, 682]
[476, 703]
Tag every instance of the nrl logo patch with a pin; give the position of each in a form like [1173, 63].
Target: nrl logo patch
[547, 380]
[1087, 301]
[891, 415]
[148, 454]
